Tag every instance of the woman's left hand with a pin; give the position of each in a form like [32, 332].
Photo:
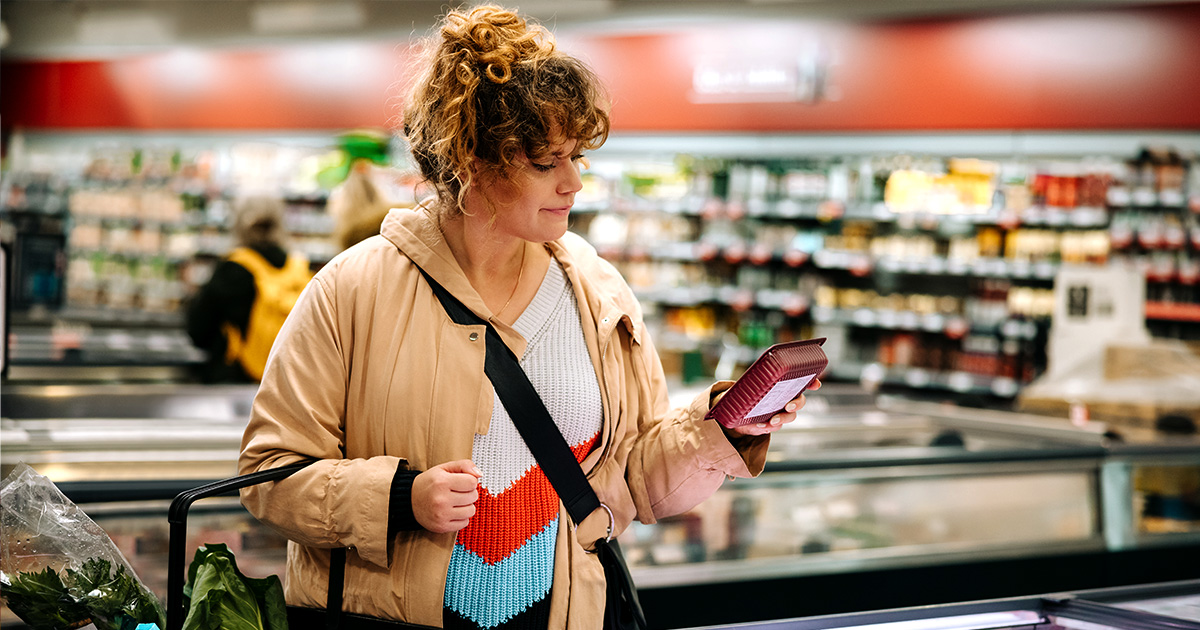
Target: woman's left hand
[777, 421]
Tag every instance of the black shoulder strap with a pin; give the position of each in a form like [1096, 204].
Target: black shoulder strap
[544, 440]
[527, 411]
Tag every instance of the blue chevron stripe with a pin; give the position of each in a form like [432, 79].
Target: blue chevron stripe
[490, 594]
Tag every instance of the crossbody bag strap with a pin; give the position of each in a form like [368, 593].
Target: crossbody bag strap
[622, 608]
[527, 411]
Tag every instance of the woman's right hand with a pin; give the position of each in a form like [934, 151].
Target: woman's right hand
[444, 496]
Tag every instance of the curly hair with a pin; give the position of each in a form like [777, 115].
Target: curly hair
[494, 87]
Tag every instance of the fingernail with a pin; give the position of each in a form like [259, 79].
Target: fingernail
[762, 425]
[775, 420]
[791, 407]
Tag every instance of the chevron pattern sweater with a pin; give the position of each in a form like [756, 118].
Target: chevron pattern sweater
[503, 561]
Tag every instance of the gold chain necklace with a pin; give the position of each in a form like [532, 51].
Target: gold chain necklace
[520, 270]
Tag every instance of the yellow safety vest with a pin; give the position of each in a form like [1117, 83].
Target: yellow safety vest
[277, 291]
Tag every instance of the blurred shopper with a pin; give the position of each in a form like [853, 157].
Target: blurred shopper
[236, 315]
[420, 473]
[358, 206]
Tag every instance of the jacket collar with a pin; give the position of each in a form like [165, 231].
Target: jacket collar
[607, 297]
[415, 232]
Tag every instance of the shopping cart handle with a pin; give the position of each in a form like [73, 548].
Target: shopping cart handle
[177, 516]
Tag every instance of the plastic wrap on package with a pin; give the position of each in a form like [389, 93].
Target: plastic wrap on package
[51, 547]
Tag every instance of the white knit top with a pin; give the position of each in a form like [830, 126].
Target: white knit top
[503, 561]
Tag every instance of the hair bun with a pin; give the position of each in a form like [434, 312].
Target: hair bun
[494, 38]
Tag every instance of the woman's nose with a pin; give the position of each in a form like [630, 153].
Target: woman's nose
[572, 181]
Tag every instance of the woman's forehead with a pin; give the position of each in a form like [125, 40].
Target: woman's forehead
[564, 147]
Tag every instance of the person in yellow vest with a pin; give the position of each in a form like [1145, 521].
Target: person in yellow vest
[236, 315]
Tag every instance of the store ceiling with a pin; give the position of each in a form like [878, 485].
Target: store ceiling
[106, 28]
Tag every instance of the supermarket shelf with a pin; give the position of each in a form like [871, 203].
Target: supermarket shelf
[854, 261]
[863, 262]
[790, 302]
[1175, 312]
[127, 345]
[957, 382]
[827, 210]
[949, 324]
[100, 317]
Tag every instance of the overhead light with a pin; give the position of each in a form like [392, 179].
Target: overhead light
[300, 17]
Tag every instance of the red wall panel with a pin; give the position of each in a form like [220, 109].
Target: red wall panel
[1132, 69]
[1095, 70]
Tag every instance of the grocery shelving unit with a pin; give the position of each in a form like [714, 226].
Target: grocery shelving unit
[735, 242]
[731, 242]
[114, 231]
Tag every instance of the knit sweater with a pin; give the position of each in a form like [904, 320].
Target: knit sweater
[503, 562]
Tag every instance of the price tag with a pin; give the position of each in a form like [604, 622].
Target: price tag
[119, 341]
[1118, 196]
[1004, 387]
[787, 208]
[1171, 197]
[1144, 196]
[917, 377]
[864, 317]
[960, 382]
[158, 343]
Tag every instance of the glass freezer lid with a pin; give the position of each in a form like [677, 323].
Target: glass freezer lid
[1180, 607]
[1028, 613]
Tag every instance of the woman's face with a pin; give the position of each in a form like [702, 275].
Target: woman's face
[536, 203]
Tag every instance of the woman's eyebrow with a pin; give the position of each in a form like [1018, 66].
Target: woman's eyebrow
[561, 153]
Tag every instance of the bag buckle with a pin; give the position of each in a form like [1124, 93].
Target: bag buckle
[612, 524]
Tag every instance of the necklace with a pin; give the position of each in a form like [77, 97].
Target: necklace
[520, 270]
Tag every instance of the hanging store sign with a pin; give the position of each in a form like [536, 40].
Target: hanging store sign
[803, 79]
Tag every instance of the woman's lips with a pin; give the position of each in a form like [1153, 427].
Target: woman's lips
[563, 210]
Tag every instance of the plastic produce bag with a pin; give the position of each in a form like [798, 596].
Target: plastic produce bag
[58, 569]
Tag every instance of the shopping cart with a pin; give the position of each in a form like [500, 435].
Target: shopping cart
[177, 516]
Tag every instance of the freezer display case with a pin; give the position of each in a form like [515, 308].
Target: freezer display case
[1174, 600]
[1128, 608]
[853, 484]
[154, 438]
[863, 502]
[123, 452]
[1152, 486]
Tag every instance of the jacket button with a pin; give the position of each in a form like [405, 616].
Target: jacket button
[474, 337]
[605, 320]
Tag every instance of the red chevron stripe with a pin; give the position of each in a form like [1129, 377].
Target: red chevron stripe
[503, 522]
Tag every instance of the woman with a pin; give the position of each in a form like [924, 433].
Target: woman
[421, 473]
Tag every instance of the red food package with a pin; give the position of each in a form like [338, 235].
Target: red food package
[775, 378]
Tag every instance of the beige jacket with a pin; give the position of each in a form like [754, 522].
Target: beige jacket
[369, 374]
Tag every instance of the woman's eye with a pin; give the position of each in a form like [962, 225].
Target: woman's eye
[545, 168]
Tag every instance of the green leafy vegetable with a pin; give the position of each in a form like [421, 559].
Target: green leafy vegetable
[119, 601]
[94, 593]
[41, 600]
[221, 597]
